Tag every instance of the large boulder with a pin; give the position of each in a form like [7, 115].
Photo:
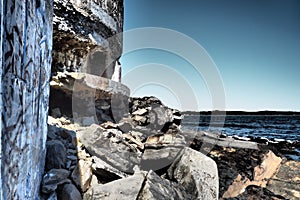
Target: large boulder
[156, 187]
[197, 173]
[109, 147]
[125, 189]
[53, 178]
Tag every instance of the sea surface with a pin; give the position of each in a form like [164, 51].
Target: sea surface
[272, 127]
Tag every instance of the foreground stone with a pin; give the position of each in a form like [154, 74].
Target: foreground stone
[123, 189]
[109, 148]
[156, 187]
[156, 159]
[197, 173]
[53, 178]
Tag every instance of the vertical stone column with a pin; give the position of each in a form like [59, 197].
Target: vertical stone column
[25, 58]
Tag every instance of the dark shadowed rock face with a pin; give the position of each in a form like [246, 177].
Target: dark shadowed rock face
[81, 32]
[56, 155]
[69, 192]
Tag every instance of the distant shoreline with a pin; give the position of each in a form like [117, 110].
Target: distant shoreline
[258, 113]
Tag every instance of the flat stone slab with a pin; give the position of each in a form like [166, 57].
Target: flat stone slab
[214, 139]
[115, 153]
[123, 189]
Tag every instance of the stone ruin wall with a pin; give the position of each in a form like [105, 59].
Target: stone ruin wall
[87, 37]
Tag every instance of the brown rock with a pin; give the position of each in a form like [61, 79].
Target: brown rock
[82, 174]
[267, 169]
[262, 174]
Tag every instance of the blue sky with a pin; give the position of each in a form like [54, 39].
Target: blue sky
[254, 44]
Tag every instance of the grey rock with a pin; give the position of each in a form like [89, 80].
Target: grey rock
[53, 178]
[197, 173]
[106, 172]
[156, 187]
[69, 192]
[125, 189]
[213, 138]
[156, 159]
[125, 126]
[82, 174]
[56, 155]
[159, 116]
[118, 155]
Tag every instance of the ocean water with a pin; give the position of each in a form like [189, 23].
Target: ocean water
[272, 127]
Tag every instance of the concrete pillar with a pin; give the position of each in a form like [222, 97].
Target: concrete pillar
[25, 67]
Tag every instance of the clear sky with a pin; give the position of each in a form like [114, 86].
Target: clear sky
[255, 45]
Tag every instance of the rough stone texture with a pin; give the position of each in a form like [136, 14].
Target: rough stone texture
[25, 59]
[156, 159]
[69, 192]
[89, 98]
[125, 189]
[287, 181]
[86, 37]
[53, 178]
[197, 173]
[82, 174]
[262, 174]
[56, 155]
[115, 153]
[156, 187]
[105, 172]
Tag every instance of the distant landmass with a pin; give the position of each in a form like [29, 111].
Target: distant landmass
[217, 112]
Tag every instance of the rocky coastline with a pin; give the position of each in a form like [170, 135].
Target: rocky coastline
[146, 155]
[103, 144]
